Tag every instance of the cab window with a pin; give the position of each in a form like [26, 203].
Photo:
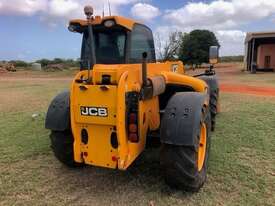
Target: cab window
[110, 46]
[141, 41]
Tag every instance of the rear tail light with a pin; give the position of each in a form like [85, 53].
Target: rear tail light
[133, 128]
[133, 137]
[132, 110]
[133, 118]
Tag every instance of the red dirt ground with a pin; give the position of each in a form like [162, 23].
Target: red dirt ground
[263, 91]
[229, 77]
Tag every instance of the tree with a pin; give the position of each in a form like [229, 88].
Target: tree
[194, 48]
[57, 61]
[169, 49]
[44, 62]
[19, 63]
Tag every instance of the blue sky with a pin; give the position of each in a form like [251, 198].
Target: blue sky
[35, 29]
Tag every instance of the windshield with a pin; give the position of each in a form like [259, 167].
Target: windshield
[109, 44]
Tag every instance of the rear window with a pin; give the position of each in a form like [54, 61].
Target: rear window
[110, 45]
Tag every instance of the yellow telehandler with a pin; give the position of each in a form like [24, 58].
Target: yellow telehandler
[122, 95]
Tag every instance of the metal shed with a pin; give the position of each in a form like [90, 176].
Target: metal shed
[260, 51]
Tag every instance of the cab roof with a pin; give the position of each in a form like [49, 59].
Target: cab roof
[122, 21]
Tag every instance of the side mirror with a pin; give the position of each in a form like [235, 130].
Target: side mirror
[213, 54]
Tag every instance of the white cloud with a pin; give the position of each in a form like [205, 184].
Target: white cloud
[221, 14]
[224, 17]
[54, 11]
[61, 11]
[62, 7]
[232, 42]
[117, 2]
[22, 7]
[144, 11]
[231, 35]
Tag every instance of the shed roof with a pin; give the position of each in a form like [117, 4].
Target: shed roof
[258, 35]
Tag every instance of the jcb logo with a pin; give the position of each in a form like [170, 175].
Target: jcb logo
[94, 111]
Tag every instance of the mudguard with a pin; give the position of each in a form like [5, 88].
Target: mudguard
[212, 82]
[58, 115]
[181, 121]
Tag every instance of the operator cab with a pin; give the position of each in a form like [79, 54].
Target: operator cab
[117, 40]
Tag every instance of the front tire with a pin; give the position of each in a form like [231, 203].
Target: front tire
[213, 85]
[185, 167]
[62, 146]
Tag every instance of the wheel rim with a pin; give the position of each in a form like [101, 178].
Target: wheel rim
[202, 147]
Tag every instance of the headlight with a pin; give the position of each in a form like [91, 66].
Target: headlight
[109, 23]
[71, 28]
[75, 27]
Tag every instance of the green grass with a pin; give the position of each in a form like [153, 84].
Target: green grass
[242, 163]
[259, 79]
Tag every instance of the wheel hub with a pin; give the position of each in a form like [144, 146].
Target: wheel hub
[202, 147]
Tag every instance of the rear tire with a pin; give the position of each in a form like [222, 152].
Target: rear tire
[180, 163]
[62, 146]
[214, 102]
